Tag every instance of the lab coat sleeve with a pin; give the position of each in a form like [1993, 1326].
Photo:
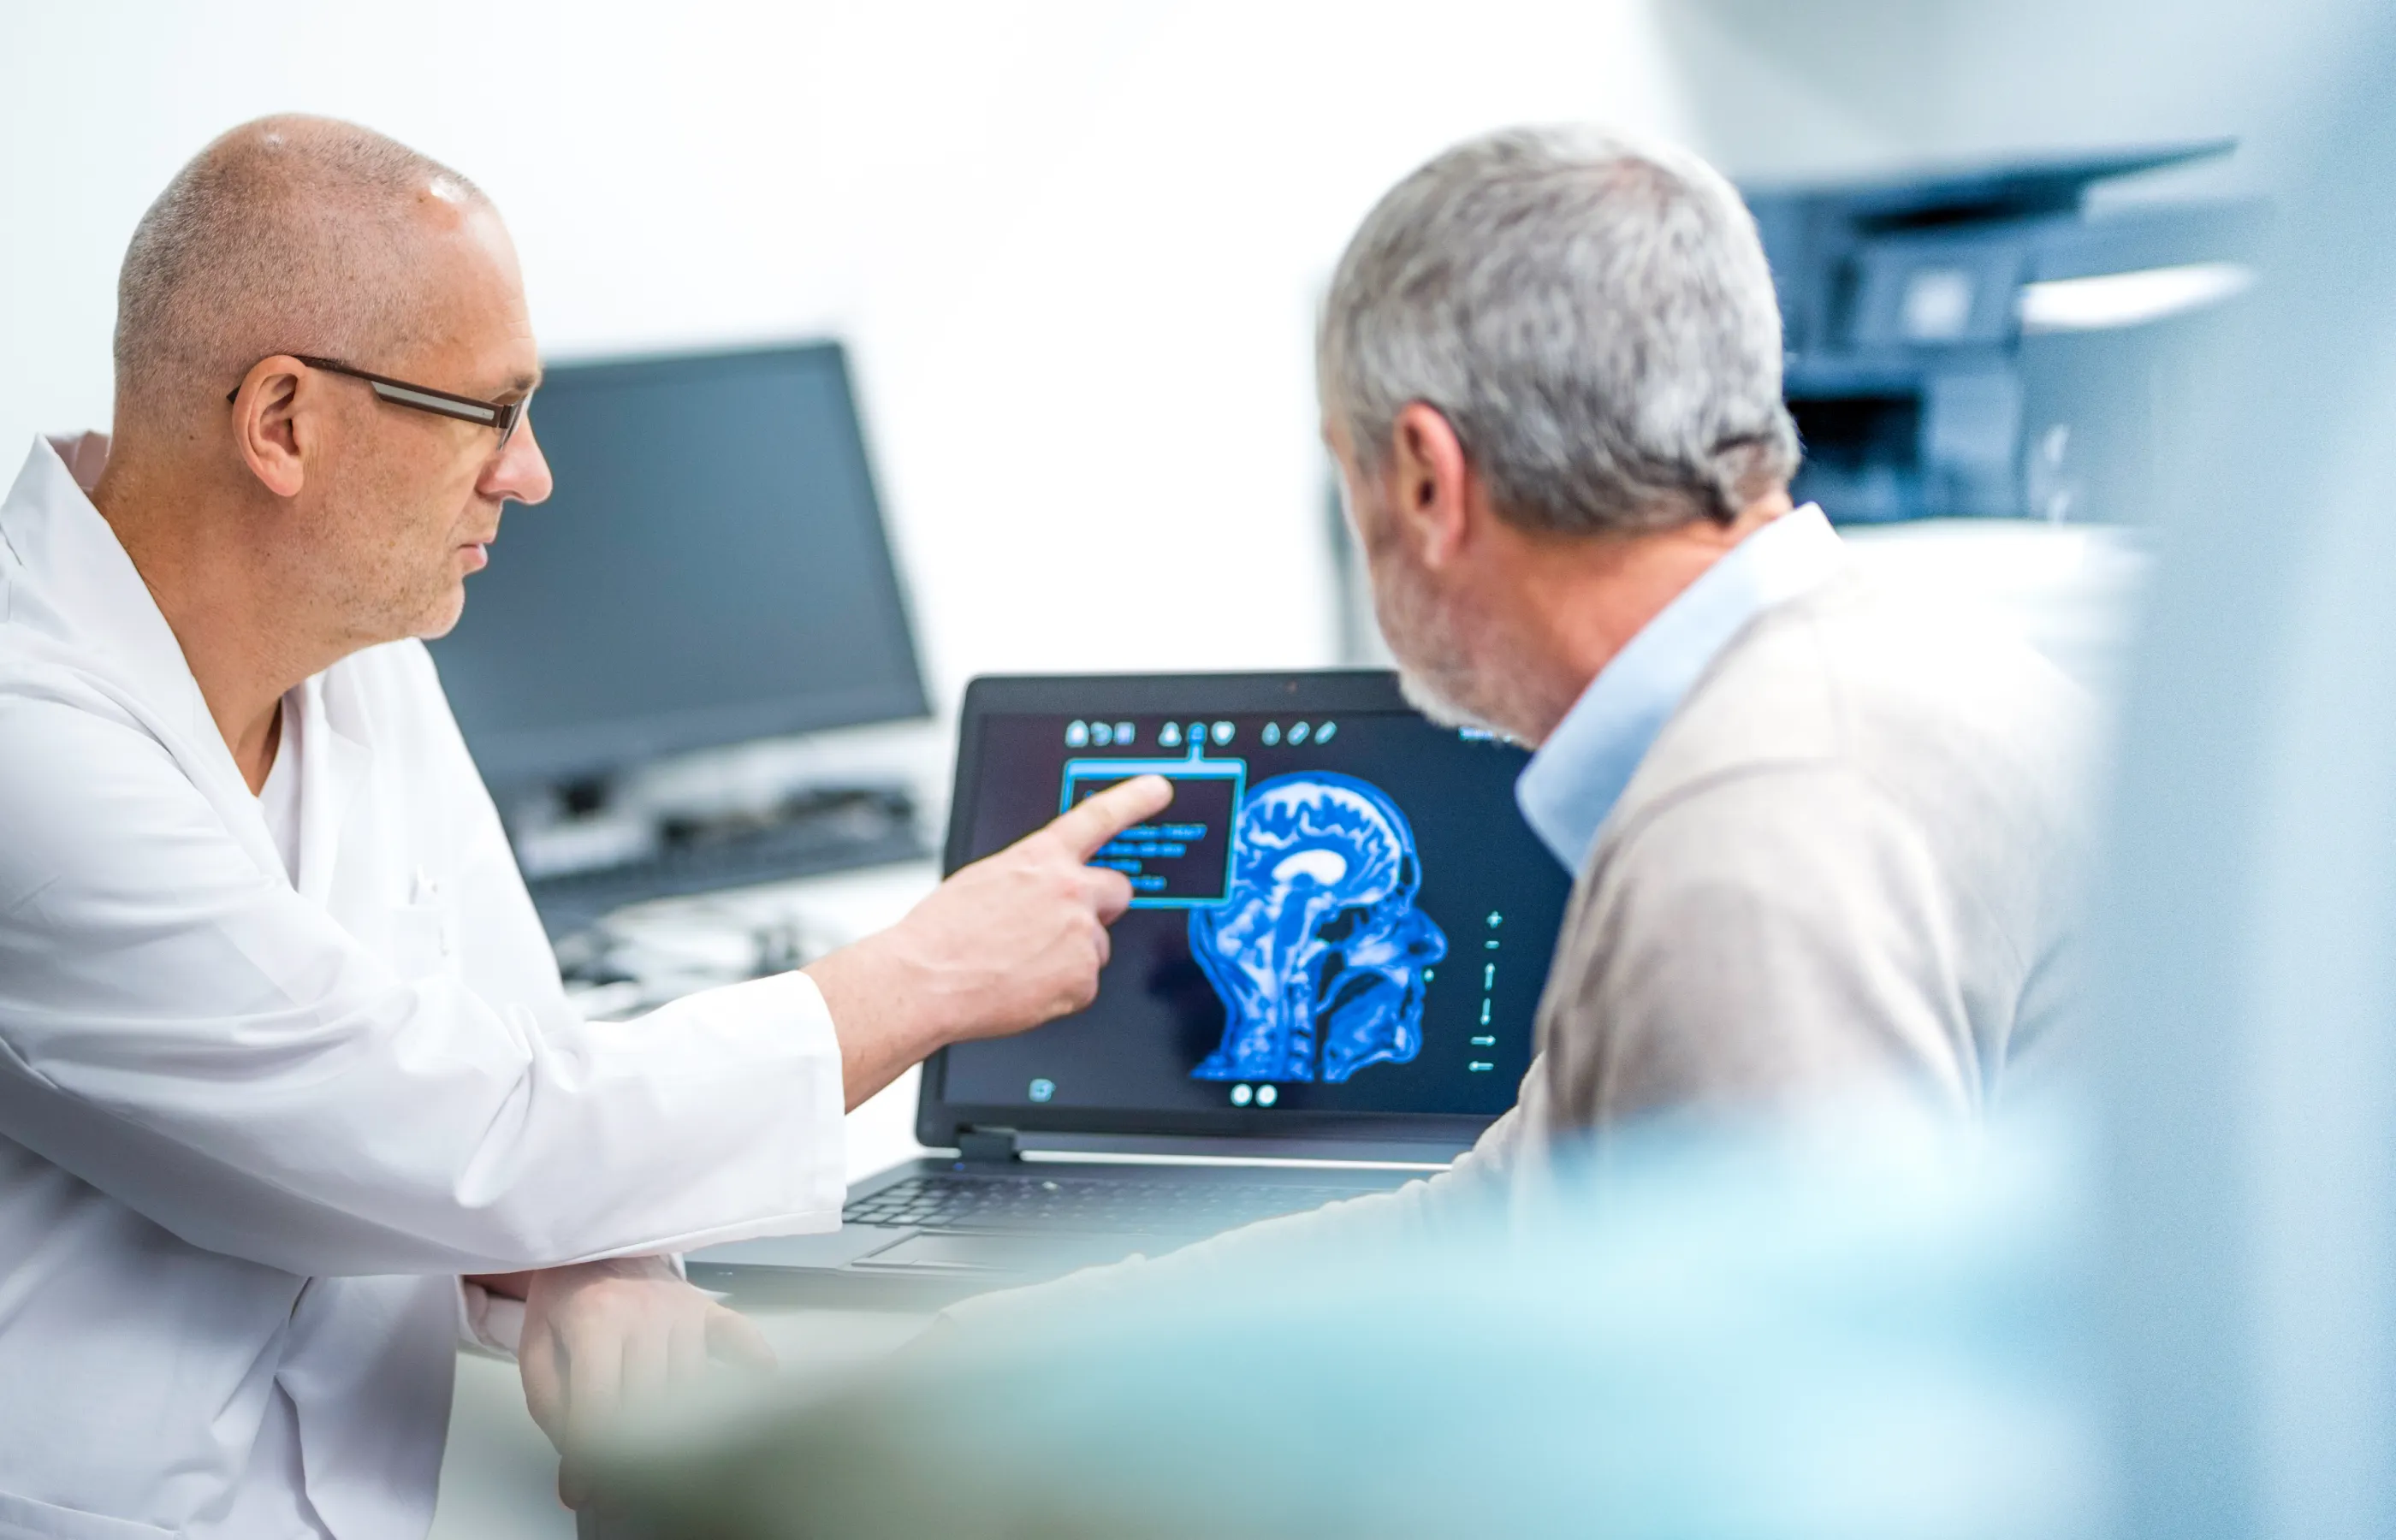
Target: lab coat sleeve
[188, 1035]
[489, 1322]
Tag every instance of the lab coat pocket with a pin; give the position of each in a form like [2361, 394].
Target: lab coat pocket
[424, 938]
[23, 1519]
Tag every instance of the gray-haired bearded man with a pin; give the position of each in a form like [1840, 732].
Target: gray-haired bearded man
[1821, 831]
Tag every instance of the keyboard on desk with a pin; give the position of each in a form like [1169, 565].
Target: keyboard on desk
[571, 901]
[1064, 1203]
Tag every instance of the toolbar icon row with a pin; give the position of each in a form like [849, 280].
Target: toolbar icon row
[1122, 735]
[1101, 735]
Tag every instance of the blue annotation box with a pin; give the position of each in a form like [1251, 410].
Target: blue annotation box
[1184, 860]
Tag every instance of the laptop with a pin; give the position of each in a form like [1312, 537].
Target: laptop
[1324, 987]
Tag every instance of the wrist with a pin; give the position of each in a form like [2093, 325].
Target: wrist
[886, 1009]
[571, 1274]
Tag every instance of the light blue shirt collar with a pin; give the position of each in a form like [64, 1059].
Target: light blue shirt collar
[1573, 782]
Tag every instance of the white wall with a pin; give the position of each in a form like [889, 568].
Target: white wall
[1819, 87]
[1075, 245]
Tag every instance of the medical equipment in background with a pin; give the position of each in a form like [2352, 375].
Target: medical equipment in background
[1986, 342]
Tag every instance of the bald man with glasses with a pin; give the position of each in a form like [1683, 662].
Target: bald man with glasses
[290, 1093]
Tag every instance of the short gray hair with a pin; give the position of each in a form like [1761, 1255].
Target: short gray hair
[286, 234]
[1595, 318]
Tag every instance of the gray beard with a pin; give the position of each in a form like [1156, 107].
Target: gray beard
[1434, 703]
[1437, 670]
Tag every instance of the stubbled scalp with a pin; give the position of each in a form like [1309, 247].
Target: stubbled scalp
[286, 234]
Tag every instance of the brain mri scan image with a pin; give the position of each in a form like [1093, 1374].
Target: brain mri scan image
[1319, 950]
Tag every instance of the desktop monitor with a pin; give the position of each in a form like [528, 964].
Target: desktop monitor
[711, 569]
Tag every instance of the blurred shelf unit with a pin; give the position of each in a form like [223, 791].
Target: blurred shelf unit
[1983, 343]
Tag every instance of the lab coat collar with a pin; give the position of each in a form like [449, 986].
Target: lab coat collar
[97, 601]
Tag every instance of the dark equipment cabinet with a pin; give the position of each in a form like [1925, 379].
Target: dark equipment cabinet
[1943, 362]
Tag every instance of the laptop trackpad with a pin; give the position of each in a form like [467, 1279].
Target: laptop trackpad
[989, 1253]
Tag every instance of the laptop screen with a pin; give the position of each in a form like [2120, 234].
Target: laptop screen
[1341, 913]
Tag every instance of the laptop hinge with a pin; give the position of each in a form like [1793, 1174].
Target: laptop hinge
[986, 1144]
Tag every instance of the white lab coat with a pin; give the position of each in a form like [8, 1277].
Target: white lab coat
[251, 1133]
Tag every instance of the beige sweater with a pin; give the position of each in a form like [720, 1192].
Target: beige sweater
[1847, 864]
[1843, 875]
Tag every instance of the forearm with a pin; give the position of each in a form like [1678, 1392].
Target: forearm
[879, 1016]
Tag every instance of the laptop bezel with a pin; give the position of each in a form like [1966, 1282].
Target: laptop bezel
[939, 1122]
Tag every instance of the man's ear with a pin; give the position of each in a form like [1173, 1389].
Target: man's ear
[268, 423]
[1433, 492]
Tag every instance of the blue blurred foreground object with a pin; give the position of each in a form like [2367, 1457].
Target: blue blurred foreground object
[2247, 997]
[1726, 1337]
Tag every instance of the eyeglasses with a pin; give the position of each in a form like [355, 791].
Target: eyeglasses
[501, 414]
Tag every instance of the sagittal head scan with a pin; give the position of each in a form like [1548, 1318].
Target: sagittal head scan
[1319, 950]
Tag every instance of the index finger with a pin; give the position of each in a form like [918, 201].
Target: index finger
[1086, 826]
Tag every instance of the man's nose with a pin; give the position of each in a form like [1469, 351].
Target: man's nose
[521, 472]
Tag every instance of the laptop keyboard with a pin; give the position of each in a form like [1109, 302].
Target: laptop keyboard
[1068, 1204]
